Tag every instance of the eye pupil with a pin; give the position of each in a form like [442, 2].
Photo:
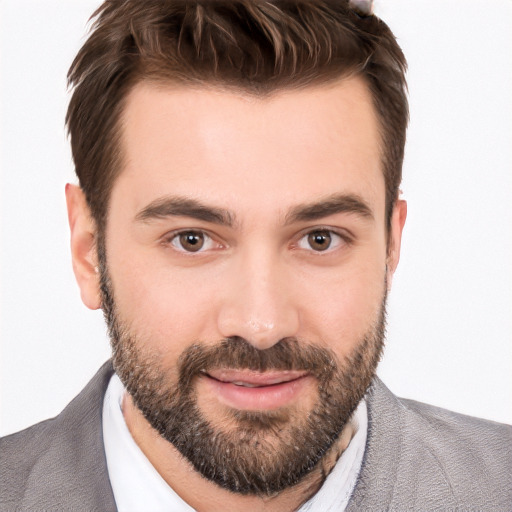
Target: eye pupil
[192, 241]
[319, 240]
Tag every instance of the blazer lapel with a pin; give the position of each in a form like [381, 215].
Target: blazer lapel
[399, 469]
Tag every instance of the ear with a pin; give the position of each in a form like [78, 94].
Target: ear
[395, 238]
[83, 247]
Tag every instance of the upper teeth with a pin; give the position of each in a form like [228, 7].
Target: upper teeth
[245, 384]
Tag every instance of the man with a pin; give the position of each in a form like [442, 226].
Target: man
[239, 222]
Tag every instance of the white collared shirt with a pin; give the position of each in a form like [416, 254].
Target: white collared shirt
[137, 485]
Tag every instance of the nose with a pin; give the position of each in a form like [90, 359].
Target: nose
[258, 304]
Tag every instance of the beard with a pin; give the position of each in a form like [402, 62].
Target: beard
[255, 452]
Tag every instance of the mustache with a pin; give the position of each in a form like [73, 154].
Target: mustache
[237, 353]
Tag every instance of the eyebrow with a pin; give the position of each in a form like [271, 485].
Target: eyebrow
[338, 203]
[176, 206]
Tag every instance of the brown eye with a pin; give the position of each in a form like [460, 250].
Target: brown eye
[320, 240]
[191, 241]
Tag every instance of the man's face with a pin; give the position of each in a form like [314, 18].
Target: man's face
[245, 273]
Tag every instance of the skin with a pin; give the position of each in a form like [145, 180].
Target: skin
[259, 160]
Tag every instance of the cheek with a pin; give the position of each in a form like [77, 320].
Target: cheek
[168, 308]
[344, 306]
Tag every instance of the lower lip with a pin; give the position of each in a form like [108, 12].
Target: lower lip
[263, 398]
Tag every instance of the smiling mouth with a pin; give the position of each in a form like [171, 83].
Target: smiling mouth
[257, 391]
[253, 379]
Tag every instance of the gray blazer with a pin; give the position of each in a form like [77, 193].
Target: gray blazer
[417, 457]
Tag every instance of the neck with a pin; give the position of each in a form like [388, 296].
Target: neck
[204, 495]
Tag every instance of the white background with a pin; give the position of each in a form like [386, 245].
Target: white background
[450, 321]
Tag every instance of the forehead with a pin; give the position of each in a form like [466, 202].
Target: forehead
[233, 149]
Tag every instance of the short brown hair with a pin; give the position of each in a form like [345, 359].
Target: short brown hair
[255, 46]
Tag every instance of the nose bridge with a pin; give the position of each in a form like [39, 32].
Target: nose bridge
[258, 304]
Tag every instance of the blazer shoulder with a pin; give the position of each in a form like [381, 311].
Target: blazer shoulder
[59, 464]
[472, 455]
[478, 434]
[432, 411]
[19, 454]
[421, 457]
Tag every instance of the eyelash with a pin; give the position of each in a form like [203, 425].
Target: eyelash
[344, 239]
